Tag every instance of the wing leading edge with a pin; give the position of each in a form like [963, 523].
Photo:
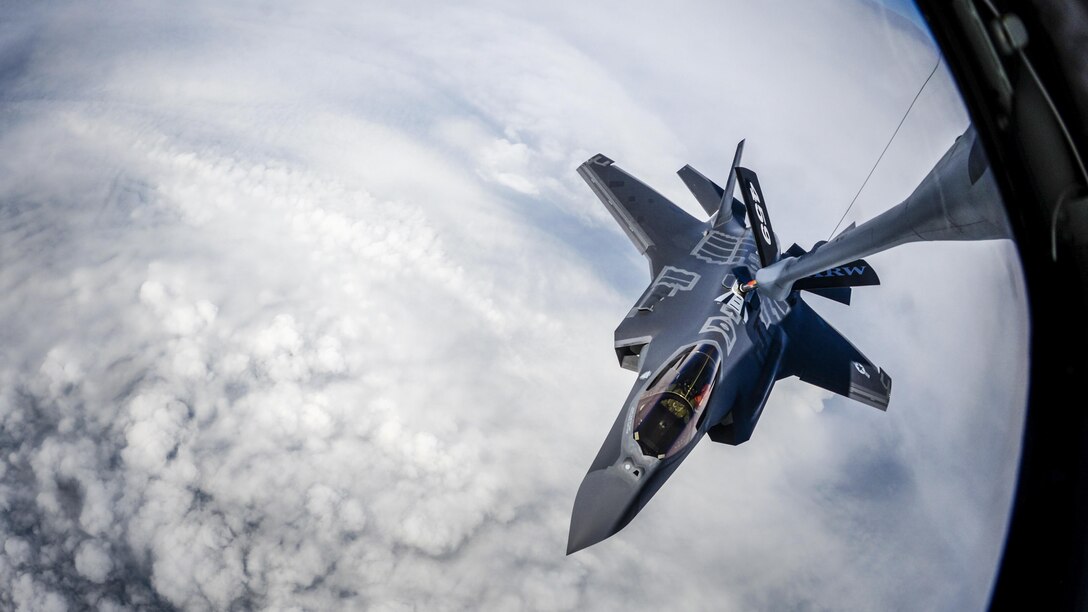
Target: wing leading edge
[659, 229]
[818, 354]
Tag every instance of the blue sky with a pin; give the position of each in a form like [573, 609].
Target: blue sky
[906, 8]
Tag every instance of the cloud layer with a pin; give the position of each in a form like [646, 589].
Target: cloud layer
[305, 308]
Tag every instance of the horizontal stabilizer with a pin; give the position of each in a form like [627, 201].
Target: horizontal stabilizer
[838, 294]
[857, 273]
[705, 190]
[818, 354]
[795, 250]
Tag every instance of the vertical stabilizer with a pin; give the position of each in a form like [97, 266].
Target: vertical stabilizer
[725, 207]
[766, 243]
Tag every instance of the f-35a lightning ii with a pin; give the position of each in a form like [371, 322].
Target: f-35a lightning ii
[724, 317]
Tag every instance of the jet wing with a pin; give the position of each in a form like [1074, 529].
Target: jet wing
[818, 354]
[658, 228]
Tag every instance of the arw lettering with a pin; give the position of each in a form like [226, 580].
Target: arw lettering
[841, 271]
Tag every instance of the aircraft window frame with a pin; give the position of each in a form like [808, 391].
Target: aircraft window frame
[689, 378]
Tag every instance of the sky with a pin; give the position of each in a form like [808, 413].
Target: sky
[303, 306]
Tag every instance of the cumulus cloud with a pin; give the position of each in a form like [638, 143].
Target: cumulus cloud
[93, 561]
[303, 307]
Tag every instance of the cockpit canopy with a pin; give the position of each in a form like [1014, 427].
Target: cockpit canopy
[671, 409]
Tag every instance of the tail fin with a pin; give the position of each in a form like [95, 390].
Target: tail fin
[766, 242]
[725, 208]
[717, 202]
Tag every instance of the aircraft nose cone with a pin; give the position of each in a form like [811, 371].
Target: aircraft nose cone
[601, 508]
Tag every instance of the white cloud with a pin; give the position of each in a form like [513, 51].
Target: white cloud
[305, 308]
[93, 561]
[30, 596]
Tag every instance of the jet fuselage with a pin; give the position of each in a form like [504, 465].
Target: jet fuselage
[732, 352]
[706, 345]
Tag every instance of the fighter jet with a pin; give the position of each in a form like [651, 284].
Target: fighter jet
[724, 316]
